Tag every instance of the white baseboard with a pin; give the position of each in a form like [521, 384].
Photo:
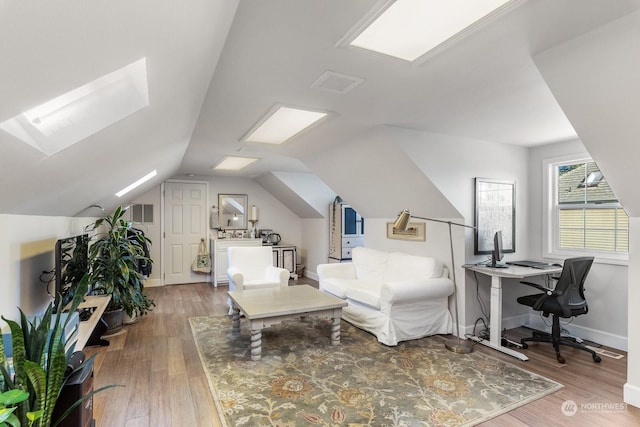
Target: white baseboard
[631, 395]
[605, 338]
[515, 321]
[152, 283]
[310, 275]
[534, 321]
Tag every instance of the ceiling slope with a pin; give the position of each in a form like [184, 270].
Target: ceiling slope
[595, 79]
[304, 193]
[378, 179]
[484, 87]
[215, 67]
[50, 48]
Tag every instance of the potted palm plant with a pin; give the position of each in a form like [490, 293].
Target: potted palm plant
[115, 258]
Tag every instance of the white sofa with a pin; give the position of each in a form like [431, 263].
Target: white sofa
[395, 296]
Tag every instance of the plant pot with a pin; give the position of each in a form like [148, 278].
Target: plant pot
[127, 320]
[114, 320]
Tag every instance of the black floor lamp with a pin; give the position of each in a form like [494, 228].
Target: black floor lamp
[401, 224]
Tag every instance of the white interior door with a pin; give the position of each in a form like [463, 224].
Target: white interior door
[185, 210]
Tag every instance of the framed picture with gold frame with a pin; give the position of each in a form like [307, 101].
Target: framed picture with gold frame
[415, 232]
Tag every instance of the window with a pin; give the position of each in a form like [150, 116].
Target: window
[586, 217]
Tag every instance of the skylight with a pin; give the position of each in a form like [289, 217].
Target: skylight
[234, 163]
[408, 29]
[138, 183]
[283, 123]
[84, 111]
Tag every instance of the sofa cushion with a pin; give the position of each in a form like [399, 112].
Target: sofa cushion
[370, 264]
[402, 266]
[365, 293]
[337, 286]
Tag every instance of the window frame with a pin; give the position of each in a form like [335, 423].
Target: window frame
[551, 233]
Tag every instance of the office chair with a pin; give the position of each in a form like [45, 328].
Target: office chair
[565, 301]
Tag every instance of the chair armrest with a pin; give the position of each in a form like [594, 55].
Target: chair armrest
[277, 274]
[344, 270]
[548, 293]
[235, 277]
[408, 291]
[540, 288]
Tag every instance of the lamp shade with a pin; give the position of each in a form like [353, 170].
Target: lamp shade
[402, 222]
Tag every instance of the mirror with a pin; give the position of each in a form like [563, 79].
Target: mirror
[232, 211]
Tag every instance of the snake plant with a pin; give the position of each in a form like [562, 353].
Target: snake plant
[39, 363]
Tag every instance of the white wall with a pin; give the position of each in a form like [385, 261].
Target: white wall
[452, 163]
[27, 248]
[314, 249]
[632, 387]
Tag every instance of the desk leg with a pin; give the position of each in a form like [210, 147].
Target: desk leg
[495, 326]
[496, 310]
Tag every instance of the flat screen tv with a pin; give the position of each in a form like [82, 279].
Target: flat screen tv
[72, 262]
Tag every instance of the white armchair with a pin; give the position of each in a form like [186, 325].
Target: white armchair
[252, 268]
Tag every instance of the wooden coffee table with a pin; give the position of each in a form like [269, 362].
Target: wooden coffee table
[271, 306]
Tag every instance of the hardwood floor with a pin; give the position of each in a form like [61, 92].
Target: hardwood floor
[156, 363]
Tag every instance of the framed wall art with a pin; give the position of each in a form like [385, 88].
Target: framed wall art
[415, 231]
[495, 210]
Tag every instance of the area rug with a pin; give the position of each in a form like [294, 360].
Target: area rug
[303, 380]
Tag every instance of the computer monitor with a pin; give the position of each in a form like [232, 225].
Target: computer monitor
[496, 254]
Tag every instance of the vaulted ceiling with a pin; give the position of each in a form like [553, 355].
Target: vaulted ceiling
[215, 67]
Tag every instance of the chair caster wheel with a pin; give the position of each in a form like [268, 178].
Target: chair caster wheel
[596, 358]
[524, 345]
[560, 359]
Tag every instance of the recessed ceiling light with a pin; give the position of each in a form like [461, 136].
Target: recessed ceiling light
[138, 183]
[234, 163]
[75, 115]
[408, 29]
[283, 123]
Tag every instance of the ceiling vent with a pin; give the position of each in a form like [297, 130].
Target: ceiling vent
[336, 82]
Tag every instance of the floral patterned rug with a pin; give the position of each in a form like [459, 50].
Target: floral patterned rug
[303, 380]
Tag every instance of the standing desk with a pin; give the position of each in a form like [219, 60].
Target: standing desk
[495, 321]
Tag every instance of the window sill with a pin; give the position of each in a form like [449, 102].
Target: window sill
[599, 257]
